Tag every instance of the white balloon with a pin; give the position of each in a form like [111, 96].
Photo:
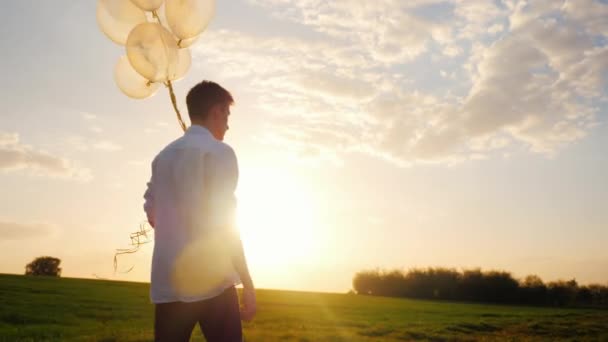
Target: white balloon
[148, 5]
[184, 43]
[183, 64]
[181, 43]
[116, 18]
[153, 52]
[130, 82]
[188, 18]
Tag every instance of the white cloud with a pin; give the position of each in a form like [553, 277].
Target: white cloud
[77, 142]
[535, 85]
[386, 30]
[591, 14]
[16, 156]
[82, 143]
[92, 122]
[96, 129]
[88, 116]
[10, 230]
[106, 145]
[8, 139]
[476, 16]
[532, 84]
[496, 28]
[452, 50]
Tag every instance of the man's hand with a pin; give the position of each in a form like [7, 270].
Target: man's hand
[248, 307]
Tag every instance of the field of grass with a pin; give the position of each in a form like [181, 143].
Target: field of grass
[47, 309]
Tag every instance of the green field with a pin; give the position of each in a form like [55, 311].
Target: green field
[48, 309]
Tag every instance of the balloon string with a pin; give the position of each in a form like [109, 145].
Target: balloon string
[170, 85]
[174, 103]
[155, 15]
[138, 238]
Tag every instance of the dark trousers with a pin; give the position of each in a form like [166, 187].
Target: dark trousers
[218, 317]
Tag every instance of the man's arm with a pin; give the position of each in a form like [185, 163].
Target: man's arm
[225, 178]
[240, 265]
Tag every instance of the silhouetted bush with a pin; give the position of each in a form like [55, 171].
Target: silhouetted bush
[532, 291]
[477, 286]
[599, 295]
[562, 293]
[44, 266]
[432, 283]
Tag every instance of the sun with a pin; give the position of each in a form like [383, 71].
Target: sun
[276, 218]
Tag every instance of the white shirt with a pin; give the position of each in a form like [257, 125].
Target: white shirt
[190, 199]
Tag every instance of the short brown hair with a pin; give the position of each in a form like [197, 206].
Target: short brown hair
[203, 96]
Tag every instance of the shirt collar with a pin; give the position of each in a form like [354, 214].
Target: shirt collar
[197, 129]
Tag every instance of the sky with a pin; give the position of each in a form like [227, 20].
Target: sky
[385, 134]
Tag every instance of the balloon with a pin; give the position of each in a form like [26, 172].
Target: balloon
[188, 18]
[183, 64]
[116, 18]
[184, 43]
[153, 52]
[181, 43]
[148, 5]
[130, 82]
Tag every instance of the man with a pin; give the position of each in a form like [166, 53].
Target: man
[198, 256]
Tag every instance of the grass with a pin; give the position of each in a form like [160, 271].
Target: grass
[50, 309]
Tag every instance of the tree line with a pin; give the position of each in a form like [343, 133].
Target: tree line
[476, 285]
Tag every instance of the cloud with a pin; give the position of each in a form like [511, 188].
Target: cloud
[82, 143]
[88, 116]
[16, 156]
[385, 30]
[96, 129]
[17, 231]
[591, 14]
[106, 145]
[538, 85]
[532, 75]
[77, 142]
[8, 139]
[477, 17]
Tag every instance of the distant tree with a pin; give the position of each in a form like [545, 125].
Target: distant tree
[562, 293]
[44, 266]
[500, 286]
[392, 284]
[599, 294]
[532, 290]
[584, 296]
[366, 282]
[432, 283]
[471, 286]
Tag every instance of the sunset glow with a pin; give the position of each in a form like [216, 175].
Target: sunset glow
[277, 219]
[369, 134]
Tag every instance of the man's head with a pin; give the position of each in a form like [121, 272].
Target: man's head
[209, 106]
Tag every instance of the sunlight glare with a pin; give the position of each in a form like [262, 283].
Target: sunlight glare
[276, 217]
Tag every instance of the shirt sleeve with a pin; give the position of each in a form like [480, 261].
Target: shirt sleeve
[149, 199]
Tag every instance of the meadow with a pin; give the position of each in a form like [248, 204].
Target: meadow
[66, 309]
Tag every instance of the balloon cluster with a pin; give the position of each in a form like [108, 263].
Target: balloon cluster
[156, 34]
